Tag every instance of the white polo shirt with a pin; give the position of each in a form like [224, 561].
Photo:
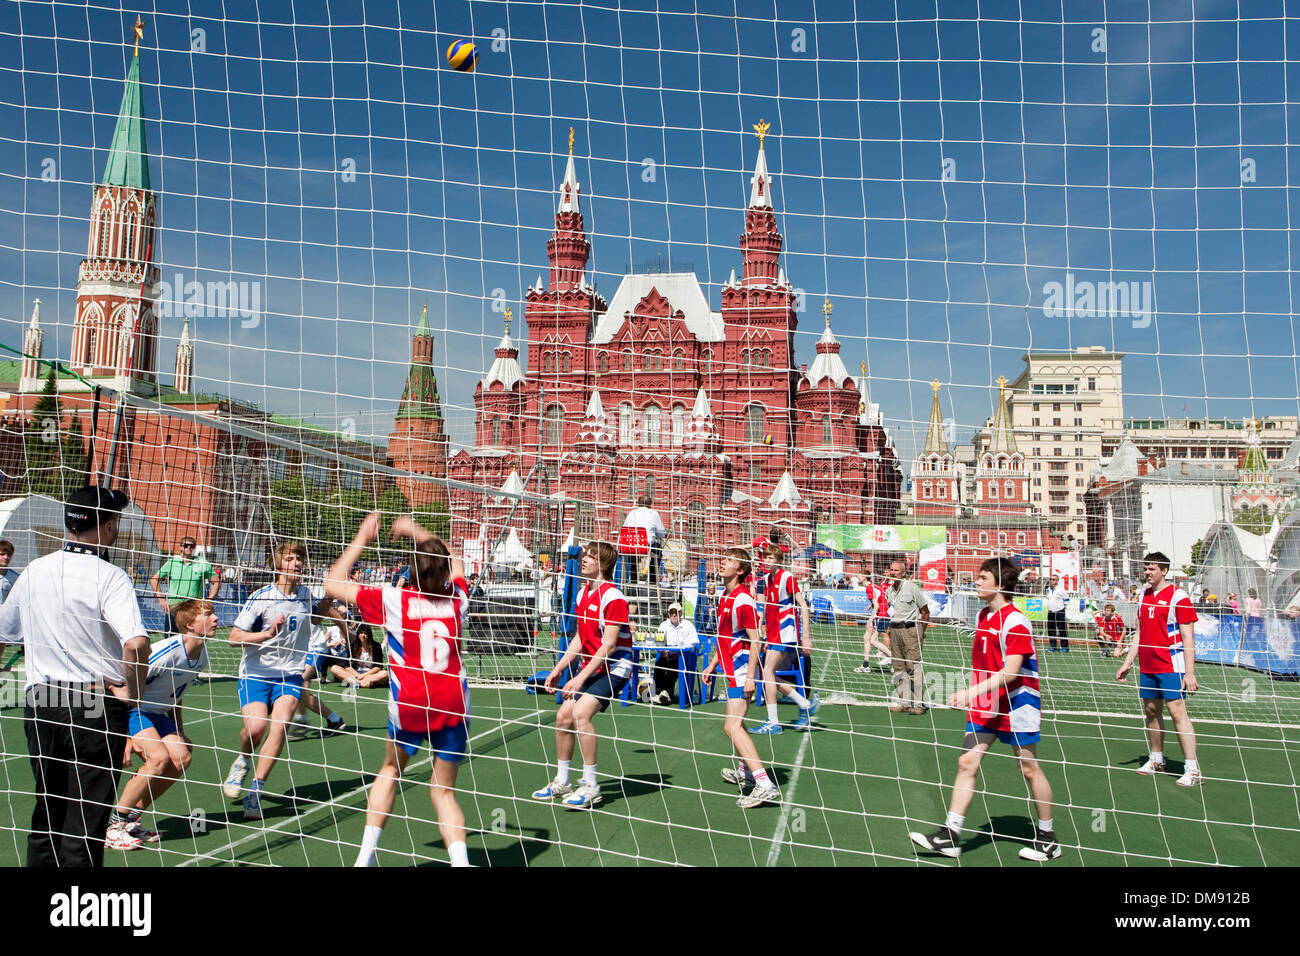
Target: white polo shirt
[649, 519]
[683, 635]
[73, 611]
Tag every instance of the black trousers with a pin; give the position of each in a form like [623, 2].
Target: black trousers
[1056, 629]
[668, 668]
[76, 743]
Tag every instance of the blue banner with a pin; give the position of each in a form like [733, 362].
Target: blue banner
[1217, 638]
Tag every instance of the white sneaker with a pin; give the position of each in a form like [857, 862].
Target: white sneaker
[1192, 778]
[584, 798]
[1151, 766]
[736, 778]
[253, 805]
[552, 790]
[234, 784]
[117, 838]
[299, 728]
[862, 669]
[759, 796]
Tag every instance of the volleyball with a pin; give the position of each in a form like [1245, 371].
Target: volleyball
[462, 56]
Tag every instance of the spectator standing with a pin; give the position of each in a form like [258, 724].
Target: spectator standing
[8, 576]
[87, 655]
[646, 518]
[909, 615]
[1054, 601]
[185, 575]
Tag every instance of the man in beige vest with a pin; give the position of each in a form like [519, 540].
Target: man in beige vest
[909, 615]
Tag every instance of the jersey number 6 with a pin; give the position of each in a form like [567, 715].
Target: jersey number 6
[435, 651]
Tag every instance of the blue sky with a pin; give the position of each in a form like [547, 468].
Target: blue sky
[1117, 165]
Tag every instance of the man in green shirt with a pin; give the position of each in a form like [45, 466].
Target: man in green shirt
[185, 575]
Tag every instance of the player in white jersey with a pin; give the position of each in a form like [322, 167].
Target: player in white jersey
[274, 629]
[157, 727]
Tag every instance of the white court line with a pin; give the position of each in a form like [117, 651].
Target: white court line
[774, 854]
[221, 854]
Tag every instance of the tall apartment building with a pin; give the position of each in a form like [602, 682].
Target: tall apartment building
[1216, 443]
[1065, 406]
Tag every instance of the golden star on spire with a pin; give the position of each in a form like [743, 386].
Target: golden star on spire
[138, 29]
[863, 367]
[936, 385]
[570, 140]
[761, 128]
[509, 316]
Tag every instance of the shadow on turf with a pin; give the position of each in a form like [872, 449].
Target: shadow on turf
[1018, 830]
[531, 842]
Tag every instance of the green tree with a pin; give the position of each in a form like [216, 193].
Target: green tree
[294, 509]
[52, 468]
[1190, 568]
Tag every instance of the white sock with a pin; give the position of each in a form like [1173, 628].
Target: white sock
[459, 853]
[1158, 756]
[955, 822]
[761, 779]
[589, 774]
[743, 770]
[1192, 766]
[799, 699]
[772, 716]
[1045, 826]
[562, 771]
[369, 844]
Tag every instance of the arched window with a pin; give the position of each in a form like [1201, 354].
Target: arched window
[626, 423]
[679, 360]
[652, 426]
[105, 230]
[554, 424]
[1008, 489]
[755, 424]
[679, 425]
[744, 358]
[128, 234]
[584, 522]
[496, 431]
[695, 523]
[767, 358]
[548, 362]
[602, 364]
[90, 346]
[631, 489]
[826, 430]
[650, 486]
[627, 360]
[565, 359]
[708, 361]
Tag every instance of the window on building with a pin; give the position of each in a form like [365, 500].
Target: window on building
[564, 360]
[1078, 453]
[708, 361]
[1038, 482]
[1056, 406]
[965, 537]
[1035, 422]
[927, 490]
[1078, 406]
[1035, 407]
[767, 358]
[1071, 388]
[1008, 489]
[695, 523]
[942, 487]
[679, 360]
[554, 424]
[1002, 538]
[744, 358]
[1056, 452]
[1020, 539]
[755, 470]
[548, 362]
[496, 431]
[826, 430]
[678, 425]
[1092, 385]
[602, 363]
[584, 521]
[631, 490]
[993, 489]
[1056, 423]
[626, 423]
[984, 537]
[650, 486]
[627, 360]
[1078, 466]
[1038, 496]
[652, 426]
[755, 424]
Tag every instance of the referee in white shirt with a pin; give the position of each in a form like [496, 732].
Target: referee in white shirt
[87, 656]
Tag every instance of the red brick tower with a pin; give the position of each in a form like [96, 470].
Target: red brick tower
[417, 443]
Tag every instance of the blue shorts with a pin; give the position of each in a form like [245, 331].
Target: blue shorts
[267, 690]
[605, 688]
[313, 661]
[450, 743]
[1013, 738]
[735, 683]
[142, 719]
[1161, 687]
[882, 625]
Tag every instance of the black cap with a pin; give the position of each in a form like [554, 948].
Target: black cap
[90, 507]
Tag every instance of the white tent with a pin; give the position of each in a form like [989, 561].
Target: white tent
[512, 554]
[34, 524]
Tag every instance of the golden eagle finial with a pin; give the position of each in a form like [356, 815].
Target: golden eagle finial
[509, 317]
[761, 128]
[936, 385]
[138, 29]
[570, 140]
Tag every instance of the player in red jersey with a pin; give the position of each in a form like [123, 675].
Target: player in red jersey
[1166, 657]
[603, 643]
[1110, 632]
[428, 692]
[787, 620]
[736, 653]
[1003, 704]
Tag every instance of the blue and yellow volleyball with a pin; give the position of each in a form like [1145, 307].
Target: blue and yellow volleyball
[767, 439]
[462, 56]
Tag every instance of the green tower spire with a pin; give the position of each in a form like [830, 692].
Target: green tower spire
[420, 397]
[128, 157]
